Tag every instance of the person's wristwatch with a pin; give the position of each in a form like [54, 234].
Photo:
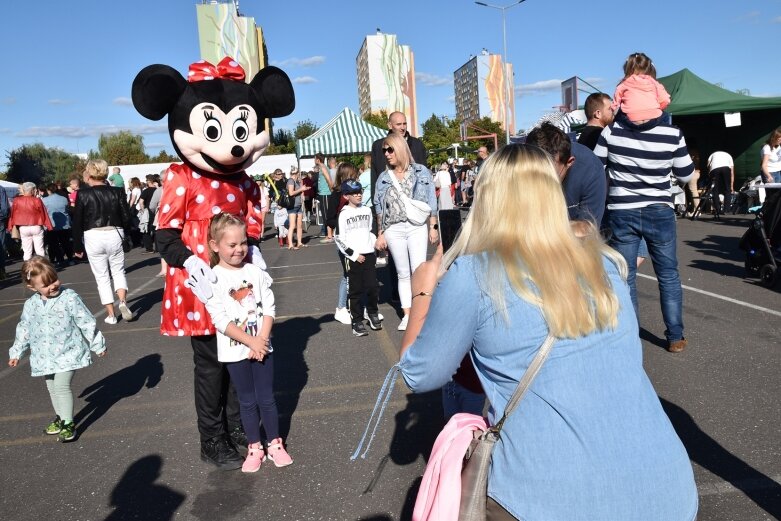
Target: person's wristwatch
[434, 226]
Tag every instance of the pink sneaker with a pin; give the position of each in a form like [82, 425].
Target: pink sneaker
[277, 453]
[254, 458]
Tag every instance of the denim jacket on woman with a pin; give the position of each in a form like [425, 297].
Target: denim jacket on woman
[422, 188]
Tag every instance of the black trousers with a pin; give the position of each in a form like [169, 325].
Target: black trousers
[721, 177]
[59, 243]
[362, 278]
[216, 403]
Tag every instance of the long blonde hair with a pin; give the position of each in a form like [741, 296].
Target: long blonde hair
[400, 149]
[519, 223]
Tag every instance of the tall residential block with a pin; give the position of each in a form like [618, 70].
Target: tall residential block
[386, 78]
[481, 90]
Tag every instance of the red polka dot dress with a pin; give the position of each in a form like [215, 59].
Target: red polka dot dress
[188, 203]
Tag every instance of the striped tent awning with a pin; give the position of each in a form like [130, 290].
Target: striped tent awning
[346, 133]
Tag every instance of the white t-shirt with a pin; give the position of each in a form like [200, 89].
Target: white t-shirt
[719, 160]
[242, 296]
[442, 181]
[774, 162]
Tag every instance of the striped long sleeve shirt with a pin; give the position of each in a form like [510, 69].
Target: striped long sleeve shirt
[639, 160]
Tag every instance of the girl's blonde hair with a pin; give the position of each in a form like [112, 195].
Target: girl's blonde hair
[38, 266]
[519, 223]
[400, 149]
[216, 228]
[639, 63]
[97, 169]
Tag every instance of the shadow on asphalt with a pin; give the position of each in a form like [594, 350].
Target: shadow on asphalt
[652, 339]
[710, 455]
[143, 303]
[137, 496]
[104, 394]
[226, 495]
[291, 371]
[151, 260]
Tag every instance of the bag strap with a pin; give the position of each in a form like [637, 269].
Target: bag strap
[526, 380]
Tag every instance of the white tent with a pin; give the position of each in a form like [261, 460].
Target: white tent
[346, 133]
[11, 189]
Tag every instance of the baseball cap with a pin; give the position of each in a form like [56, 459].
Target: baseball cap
[351, 186]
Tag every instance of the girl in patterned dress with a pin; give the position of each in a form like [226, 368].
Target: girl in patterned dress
[60, 332]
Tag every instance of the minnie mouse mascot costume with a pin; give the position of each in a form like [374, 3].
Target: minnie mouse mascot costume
[216, 124]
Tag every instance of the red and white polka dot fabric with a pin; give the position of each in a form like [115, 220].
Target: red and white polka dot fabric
[188, 203]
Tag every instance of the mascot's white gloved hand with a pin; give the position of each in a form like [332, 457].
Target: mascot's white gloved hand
[256, 257]
[200, 278]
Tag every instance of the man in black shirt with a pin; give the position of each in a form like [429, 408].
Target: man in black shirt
[600, 114]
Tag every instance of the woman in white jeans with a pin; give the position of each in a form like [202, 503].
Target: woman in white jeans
[102, 215]
[406, 241]
[29, 214]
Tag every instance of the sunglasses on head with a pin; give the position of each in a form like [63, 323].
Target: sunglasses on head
[387, 150]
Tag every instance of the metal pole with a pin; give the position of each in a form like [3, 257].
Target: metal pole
[507, 92]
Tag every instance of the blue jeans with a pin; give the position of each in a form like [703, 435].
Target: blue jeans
[776, 176]
[3, 238]
[655, 224]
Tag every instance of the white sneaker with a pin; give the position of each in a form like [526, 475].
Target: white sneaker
[127, 315]
[110, 320]
[366, 315]
[343, 315]
[403, 323]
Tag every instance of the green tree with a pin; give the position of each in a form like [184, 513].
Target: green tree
[284, 141]
[437, 136]
[164, 157]
[121, 148]
[39, 164]
[378, 119]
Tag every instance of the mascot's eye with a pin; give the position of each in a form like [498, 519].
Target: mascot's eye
[212, 129]
[240, 130]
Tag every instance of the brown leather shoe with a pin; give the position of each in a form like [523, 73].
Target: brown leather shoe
[676, 346]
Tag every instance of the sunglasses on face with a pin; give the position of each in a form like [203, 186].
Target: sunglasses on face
[387, 150]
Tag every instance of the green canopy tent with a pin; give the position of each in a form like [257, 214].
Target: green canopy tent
[698, 108]
[345, 133]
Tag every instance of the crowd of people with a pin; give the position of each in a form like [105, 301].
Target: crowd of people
[592, 208]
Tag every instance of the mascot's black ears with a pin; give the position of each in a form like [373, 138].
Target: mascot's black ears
[158, 88]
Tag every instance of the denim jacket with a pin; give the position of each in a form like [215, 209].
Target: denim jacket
[422, 190]
[59, 332]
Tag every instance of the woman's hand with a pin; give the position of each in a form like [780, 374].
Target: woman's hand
[79, 255]
[433, 235]
[13, 362]
[381, 243]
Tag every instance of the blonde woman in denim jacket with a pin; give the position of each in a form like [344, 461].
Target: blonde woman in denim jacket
[406, 241]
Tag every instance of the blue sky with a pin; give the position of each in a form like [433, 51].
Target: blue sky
[69, 66]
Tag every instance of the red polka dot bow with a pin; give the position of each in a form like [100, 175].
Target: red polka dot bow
[227, 69]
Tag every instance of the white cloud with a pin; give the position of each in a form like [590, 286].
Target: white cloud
[304, 80]
[300, 62]
[8, 101]
[776, 20]
[123, 101]
[5, 130]
[551, 86]
[432, 80]
[58, 101]
[156, 145]
[97, 130]
[451, 99]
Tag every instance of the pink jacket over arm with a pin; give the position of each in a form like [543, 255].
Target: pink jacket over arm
[439, 497]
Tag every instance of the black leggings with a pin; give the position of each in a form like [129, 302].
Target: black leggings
[254, 383]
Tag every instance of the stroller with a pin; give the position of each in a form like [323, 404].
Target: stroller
[762, 240]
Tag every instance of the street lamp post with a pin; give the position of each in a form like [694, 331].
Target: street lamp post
[507, 81]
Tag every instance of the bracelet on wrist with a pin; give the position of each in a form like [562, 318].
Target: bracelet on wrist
[421, 294]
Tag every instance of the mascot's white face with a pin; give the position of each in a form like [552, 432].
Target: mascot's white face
[222, 143]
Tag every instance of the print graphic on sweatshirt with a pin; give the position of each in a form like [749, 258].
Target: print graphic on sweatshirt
[246, 298]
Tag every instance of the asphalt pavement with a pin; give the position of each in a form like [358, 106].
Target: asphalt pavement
[137, 454]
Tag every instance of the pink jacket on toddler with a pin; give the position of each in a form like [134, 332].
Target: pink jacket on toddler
[641, 97]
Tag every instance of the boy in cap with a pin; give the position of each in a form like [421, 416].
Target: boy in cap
[356, 241]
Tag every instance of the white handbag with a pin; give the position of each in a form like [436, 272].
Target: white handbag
[417, 212]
